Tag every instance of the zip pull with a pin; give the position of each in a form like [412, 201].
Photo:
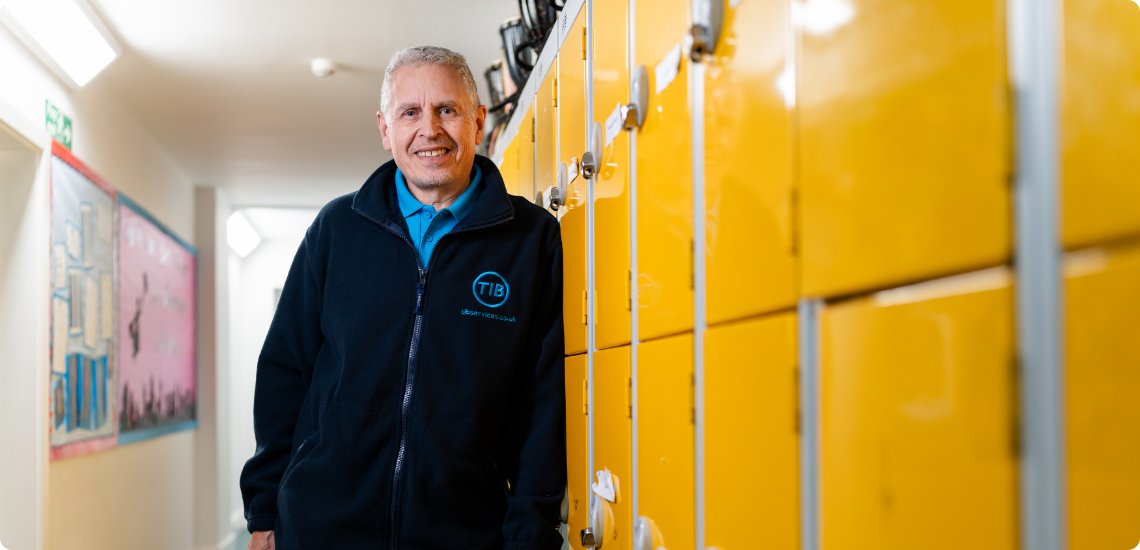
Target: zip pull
[420, 292]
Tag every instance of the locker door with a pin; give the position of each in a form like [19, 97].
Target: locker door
[611, 188]
[572, 132]
[751, 444]
[1100, 121]
[1103, 379]
[748, 164]
[665, 438]
[525, 139]
[612, 437]
[664, 176]
[904, 139]
[577, 448]
[510, 166]
[545, 132]
[919, 417]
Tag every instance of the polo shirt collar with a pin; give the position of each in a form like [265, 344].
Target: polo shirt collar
[459, 209]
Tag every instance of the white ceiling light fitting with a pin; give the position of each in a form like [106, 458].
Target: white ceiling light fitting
[65, 34]
[240, 235]
[322, 67]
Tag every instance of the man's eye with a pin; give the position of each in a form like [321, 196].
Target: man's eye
[409, 113]
[448, 111]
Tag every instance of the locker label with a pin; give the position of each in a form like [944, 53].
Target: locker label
[666, 71]
[608, 486]
[613, 125]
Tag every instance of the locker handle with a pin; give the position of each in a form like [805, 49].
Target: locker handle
[633, 115]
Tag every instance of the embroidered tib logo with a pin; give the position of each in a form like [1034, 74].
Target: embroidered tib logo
[491, 289]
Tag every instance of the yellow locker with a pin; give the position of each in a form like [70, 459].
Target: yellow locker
[577, 448]
[611, 187]
[919, 417]
[664, 175]
[748, 165]
[1103, 380]
[572, 136]
[905, 148]
[525, 139]
[665, 439]
[1100, 121]
[545, 132]
[612, 437]
[510, 167]
[751, 444]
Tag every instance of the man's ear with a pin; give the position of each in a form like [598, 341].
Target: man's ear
[383, 130]
[480, 122]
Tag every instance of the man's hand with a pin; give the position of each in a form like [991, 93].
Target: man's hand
[262, 540]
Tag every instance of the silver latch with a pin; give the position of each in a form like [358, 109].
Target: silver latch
[588, 538]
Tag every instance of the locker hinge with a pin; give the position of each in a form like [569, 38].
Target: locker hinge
[583, 43]
[628, 290]
[629, 397]
[532, 131]
[692, 398]
[585, 397]
[797, 413]
[554, 95]
[692, 265]
[585, 304]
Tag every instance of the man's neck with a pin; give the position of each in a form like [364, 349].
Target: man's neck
[439, 196]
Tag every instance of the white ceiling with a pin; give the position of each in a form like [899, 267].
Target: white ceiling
[225, 85]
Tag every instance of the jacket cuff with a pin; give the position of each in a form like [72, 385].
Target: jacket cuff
[260, 523]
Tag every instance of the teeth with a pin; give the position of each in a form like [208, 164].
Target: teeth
[435, 153]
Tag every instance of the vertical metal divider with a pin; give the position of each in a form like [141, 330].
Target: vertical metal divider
[1034, 33]
[634, 342]
[591, 296]
[700, 322]
[808, 344]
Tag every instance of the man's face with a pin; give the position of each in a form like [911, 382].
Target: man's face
[430, 127]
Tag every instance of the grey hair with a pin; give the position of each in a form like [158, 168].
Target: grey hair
[428, 55]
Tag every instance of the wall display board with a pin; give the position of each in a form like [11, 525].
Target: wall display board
[157, 327]
[82, 309]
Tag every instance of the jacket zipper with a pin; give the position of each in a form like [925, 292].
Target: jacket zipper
[421, 288]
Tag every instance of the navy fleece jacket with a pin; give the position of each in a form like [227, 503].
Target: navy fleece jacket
[406, 408]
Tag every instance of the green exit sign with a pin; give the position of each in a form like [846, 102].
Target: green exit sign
[58, 124]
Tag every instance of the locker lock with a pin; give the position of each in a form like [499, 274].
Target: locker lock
[646, 535]
[633, 115]
[708, 16]
[601, 523]
[592, 158]
[558, 192]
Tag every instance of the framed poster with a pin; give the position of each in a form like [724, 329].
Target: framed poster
[82, 389]
[157, 353]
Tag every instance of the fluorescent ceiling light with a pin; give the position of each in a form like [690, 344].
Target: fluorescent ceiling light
[66, 34]
[241, 235]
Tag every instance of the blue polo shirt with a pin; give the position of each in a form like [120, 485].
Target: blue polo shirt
[425, 225]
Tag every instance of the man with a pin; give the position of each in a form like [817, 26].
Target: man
[410, 390]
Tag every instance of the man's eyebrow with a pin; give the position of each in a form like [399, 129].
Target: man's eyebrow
[406, 106]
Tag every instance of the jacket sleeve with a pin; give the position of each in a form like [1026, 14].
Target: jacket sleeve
[535, 430]
[284, 370]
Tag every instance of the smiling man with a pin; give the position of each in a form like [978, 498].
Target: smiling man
[410, 391]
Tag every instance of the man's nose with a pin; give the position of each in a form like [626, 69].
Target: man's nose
[430, 126]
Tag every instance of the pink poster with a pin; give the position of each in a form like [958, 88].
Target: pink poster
[157, 327]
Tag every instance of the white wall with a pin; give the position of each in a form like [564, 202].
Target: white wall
[22, 357]
[137, 496]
